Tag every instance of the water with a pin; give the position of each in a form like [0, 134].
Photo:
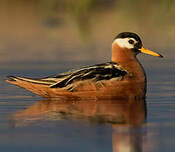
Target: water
[42, 41]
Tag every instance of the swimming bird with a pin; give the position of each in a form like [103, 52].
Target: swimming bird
[121, 78]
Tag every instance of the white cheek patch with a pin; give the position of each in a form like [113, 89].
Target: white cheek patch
[124, 43]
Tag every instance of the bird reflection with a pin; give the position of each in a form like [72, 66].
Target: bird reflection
[125, 117]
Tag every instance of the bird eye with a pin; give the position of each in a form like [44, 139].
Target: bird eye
[131, 41]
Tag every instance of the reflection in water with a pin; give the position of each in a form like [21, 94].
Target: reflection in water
[126, 118]
[127, 139]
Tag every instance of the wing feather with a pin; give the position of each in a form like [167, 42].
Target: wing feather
[105, 71]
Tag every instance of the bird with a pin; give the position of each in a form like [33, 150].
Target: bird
[121, 78]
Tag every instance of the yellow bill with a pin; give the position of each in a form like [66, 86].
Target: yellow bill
[146, 51]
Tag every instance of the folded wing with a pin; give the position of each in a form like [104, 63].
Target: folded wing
[105, 71]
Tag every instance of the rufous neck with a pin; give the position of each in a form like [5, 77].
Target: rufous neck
[122, 55]
[127, 59]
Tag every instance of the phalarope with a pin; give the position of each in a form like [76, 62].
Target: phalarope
[123, 77]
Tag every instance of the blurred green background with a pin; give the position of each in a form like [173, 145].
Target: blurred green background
[47, 33]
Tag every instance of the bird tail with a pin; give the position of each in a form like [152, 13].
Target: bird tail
[37, 86]
[13, 79]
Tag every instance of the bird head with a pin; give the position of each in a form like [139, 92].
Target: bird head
[132, 42]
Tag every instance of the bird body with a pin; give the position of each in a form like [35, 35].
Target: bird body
[123, 78]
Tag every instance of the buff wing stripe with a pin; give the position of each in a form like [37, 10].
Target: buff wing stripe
[105, 71]
[96, 73]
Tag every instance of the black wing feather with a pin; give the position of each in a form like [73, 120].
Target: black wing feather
[98, 72]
